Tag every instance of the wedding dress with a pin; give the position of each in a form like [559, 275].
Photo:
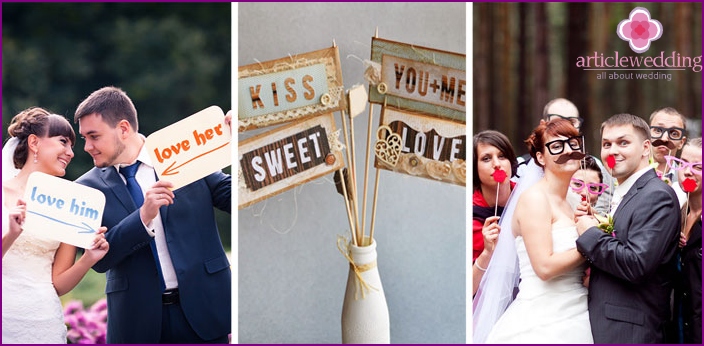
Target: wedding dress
[31, 309]
[544, 312]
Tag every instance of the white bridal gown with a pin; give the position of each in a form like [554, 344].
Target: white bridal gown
[546, 312]
[31, 309]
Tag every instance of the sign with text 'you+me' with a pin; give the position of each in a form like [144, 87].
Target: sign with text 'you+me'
[59, 209]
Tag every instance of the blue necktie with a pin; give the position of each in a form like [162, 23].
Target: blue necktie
[136, 192]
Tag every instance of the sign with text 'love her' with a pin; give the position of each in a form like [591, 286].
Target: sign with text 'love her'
[420, 79]
[421, 145]
[192, 148]
[290, 88]
[59, 209]
[279, 160]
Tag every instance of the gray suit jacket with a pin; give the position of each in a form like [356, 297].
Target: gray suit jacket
[633, 272]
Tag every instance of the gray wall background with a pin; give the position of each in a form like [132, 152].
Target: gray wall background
[292, 277]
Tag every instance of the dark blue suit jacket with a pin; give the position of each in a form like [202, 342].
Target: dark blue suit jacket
[203, 271]
[633, 273]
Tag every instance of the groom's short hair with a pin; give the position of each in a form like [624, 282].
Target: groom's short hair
[112, 104]
[639, 125]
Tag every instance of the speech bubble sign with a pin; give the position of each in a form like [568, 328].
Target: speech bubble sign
[192, 148]
[62, 210]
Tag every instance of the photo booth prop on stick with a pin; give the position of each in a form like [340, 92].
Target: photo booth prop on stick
[191, 148]
[289, 89]
[421, 79]
[279, 160]
[59, 209]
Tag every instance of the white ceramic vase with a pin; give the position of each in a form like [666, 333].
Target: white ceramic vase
[365, 315]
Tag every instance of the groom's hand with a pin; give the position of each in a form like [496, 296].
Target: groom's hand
[583, 223]
[158, 195]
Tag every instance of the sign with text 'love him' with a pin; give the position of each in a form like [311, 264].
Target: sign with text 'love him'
[290, 88]
[421, 145]
[59, 209]
[281, 159]
[192, 148]
[420, 79]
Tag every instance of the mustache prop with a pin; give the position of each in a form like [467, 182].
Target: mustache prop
[660, 142]
[575, 155]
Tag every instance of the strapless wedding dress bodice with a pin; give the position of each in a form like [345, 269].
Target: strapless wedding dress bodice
[552, 311]
[31, 309]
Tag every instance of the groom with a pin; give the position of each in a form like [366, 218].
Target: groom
[633, 270]
[168, 278]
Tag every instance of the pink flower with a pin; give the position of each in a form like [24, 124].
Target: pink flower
[639, 30]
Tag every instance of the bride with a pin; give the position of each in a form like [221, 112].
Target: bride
[551, 304]
[35, 271]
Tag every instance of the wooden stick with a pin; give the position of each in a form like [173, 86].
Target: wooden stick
[376, 186]
[349, 165]
[366, 168]
[376, 194]
[347, 205]
[353, 181]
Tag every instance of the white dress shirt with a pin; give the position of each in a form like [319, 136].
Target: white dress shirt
[146, 177]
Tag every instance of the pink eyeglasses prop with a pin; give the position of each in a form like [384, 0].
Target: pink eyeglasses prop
[578, 185]
[678, 164]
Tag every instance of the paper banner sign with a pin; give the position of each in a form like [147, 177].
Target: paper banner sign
[59, 209]
[420, 79]
[290, 88]
[423, 146]
[279, 160]
[192, 148]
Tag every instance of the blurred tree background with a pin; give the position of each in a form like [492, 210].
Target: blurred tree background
[172, 59]
[525, 54]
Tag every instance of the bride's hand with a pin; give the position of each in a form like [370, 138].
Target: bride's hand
[100, 246]
[17, 215]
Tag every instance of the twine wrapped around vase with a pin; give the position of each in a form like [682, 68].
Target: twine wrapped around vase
[362, 285]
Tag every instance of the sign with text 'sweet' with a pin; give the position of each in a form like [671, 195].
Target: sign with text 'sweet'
[281, 159]
[421, 145]
[290, 88]
[191, 148]
[61, 210]
[420, 79]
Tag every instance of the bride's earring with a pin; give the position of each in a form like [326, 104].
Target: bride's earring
[35, 157]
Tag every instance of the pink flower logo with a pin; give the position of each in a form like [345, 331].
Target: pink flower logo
[639, 30]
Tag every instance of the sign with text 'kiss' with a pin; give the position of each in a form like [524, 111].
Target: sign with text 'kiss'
[279, 160]
[59, 209]
[423, 146]
[290, 88]
[420, 79]
[192, 148]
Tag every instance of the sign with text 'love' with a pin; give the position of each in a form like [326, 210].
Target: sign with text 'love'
[420, 79]
[192, 148]
[279, 160]
[421, 145]
[59, 209]
[290, 88]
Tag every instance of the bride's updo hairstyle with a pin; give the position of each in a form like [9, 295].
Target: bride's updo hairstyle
[553, 128]
[41, 123]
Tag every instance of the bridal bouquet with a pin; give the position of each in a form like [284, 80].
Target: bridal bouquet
[606, 223]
